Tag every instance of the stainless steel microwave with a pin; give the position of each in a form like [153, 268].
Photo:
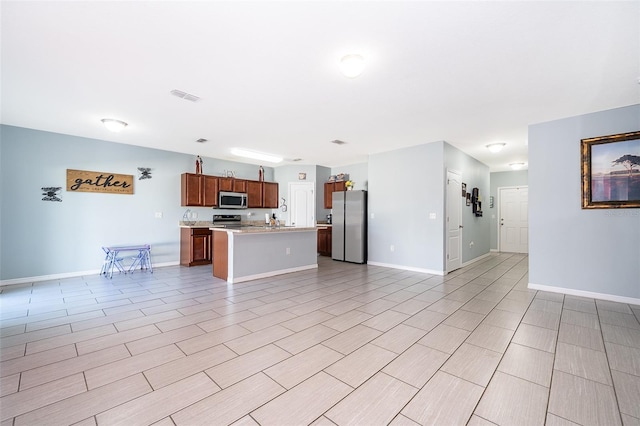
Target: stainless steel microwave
[232, 200]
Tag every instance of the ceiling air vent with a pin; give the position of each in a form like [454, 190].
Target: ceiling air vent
[338, 142]
[202, 140]
[184, 95]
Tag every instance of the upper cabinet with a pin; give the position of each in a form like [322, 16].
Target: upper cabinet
[232, 184]
[262, 194]
[202, 191]
[254, 194]
[199, 190]
[329, 189]
[270, 195]
[210, 194]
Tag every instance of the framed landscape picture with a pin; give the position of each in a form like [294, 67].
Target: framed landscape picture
[611, 171]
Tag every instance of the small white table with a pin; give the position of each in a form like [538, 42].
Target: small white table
[114, 260]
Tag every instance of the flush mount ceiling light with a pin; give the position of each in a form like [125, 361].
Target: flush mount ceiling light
[254, 155]
[113, 125]
[352, 65]
[496, 147]
[516, 166]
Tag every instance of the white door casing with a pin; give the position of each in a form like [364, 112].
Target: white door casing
[513, 223]
[302, 207]
[453, 221]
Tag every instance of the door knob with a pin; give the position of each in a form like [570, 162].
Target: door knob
[460, 226]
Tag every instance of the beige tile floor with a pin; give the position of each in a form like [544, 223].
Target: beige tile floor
[344, 344]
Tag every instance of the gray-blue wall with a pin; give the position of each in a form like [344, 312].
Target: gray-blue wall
[570, 248]
[499, 180]
[405, 186]
[476, 175]
[41, 238]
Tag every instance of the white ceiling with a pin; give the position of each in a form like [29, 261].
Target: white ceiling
[469, 73]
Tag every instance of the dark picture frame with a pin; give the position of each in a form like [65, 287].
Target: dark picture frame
[464, 189]
[611, 171]
[468, 198]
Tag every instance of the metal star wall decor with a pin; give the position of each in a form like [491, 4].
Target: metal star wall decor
[145, 173]
[50, 193]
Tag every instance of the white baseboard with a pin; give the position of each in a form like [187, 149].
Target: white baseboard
[235, 280]
[25, 280]
[407, 268]
[582, 293]
[495, 251]
[474, 260]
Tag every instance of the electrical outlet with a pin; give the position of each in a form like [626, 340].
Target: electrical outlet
[471, 244]
[288, 250]
[392, 248]
[158, 215]
[373, 216]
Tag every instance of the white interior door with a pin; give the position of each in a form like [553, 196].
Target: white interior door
[302, 207]
[514, 219]
[454, 220]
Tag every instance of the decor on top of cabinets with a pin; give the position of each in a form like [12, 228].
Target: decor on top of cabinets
[51, 193]
[145, 173]
[611, 171]
[198, 165]
[260, 174]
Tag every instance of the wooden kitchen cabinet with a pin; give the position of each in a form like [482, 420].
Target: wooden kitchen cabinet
[254, 194]
[195, 246]
[330, 188]
[210, 191]
[324, 241]
[262, 194]
[199, 190]
[202, 191]
[232, 184]
[270, 195]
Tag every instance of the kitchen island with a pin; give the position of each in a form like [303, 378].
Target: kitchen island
[249, 253]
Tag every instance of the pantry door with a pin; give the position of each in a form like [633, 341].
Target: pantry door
[302, 204]
[513, 225]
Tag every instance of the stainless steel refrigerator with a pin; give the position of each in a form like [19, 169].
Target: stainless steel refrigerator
[349, 226]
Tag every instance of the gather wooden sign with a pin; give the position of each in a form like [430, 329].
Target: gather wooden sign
[87, 181]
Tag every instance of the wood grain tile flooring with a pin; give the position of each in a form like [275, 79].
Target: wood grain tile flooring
[341, 345]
